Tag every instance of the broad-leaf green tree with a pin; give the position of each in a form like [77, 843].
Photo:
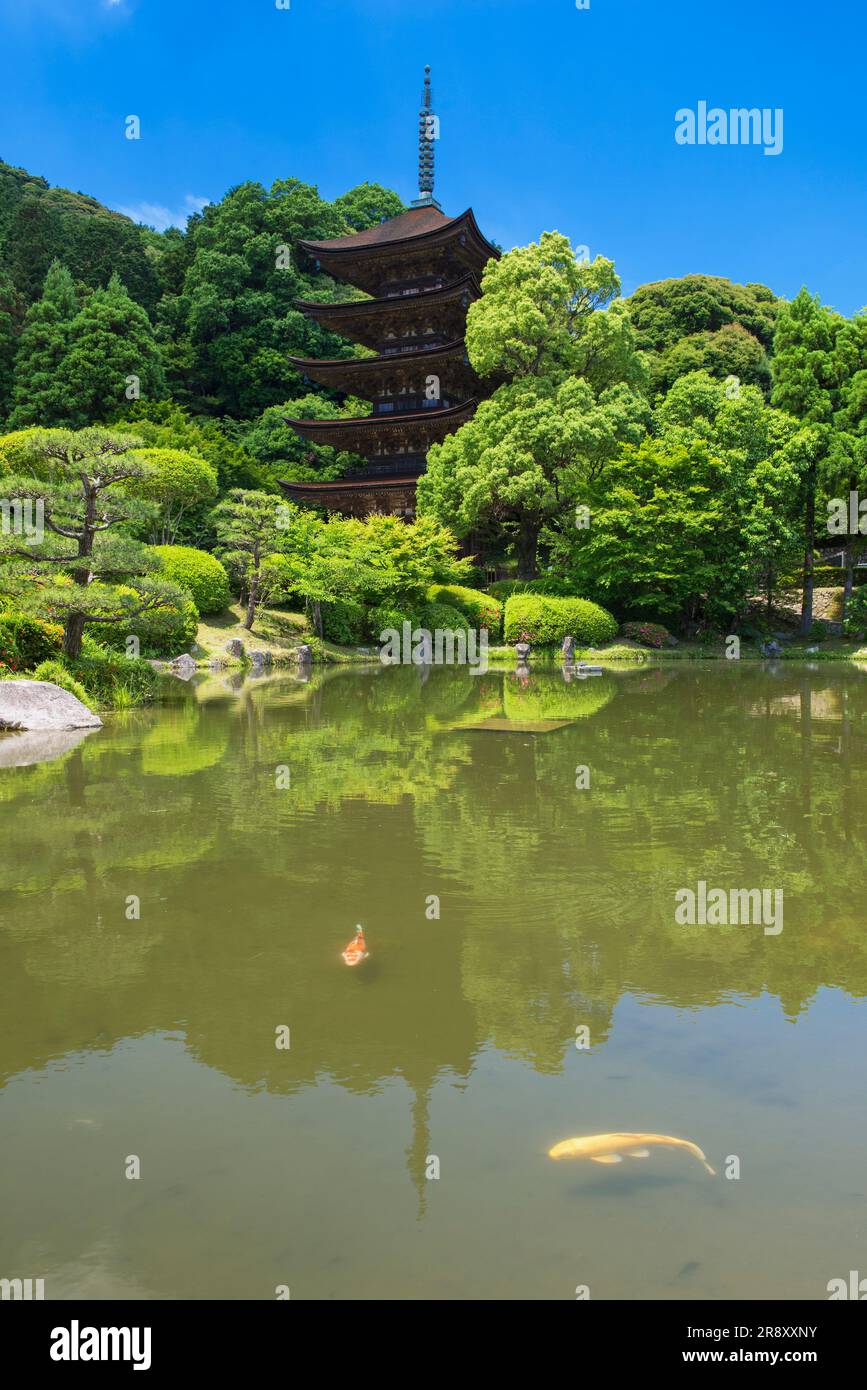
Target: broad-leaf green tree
[571, 392]
[704, 323]
[175, 481]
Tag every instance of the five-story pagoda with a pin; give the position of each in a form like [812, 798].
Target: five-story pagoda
[422, 271]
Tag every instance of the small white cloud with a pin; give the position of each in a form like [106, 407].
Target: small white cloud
[160, 218]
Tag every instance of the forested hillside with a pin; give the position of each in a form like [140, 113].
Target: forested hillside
[203, 318]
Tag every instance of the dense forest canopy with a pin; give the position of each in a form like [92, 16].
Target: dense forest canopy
[220, 321]
[706, 426]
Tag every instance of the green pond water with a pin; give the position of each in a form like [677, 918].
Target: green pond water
[258, 823]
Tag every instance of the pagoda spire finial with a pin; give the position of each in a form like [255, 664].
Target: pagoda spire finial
[428, 133]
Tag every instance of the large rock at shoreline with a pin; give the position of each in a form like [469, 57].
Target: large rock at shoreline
[38, 706]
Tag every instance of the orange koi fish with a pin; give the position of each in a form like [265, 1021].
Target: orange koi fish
[357, 950]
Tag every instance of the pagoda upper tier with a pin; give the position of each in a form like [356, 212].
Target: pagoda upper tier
[421, 272]
[420, 249]
[398, 320]
[395, 379]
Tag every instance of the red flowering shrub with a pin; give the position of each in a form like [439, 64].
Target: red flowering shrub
[647, 634]
[26, 641]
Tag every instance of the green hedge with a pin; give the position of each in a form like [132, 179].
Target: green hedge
[480, 610]
[441, 617]
[199, 573]
[549, 620]
[387, 618]
[26, 641]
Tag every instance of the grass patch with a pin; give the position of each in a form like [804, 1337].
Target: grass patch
[275, 631]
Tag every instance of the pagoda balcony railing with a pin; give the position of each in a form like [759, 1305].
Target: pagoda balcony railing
[399, 289]
[408, 405]
[408, 465]
[423, 340]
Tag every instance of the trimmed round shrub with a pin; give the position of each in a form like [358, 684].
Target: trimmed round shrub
[480, 610]
[646, 634]
[201, 574]
[549, 620]
[476, 577]
[385, 618]
[20, 452]
[551, 585]
[343, 622]
[441, 617]
[26, 641]
[55, 673]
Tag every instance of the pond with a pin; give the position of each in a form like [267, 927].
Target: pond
[176, 891]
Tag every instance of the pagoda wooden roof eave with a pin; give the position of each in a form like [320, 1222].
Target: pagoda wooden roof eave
[377, 422]
[381, 484]
[312, 365]
[360, 308]
[372, 243]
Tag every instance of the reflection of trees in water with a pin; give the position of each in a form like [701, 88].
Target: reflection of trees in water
[561, 900]
[683, 787]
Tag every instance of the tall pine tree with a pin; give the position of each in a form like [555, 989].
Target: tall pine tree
[807, 377]
[11, 311]
[113, 357]
[37, 393]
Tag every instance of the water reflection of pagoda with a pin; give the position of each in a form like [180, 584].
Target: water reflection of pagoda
[423, 271]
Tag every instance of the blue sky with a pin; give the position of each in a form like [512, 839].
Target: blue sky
[551, 117]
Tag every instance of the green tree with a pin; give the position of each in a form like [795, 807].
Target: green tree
[282, 454]
[704, 323]
[664, 539]
[11, 314]
[250, 526]
[112, 355]
[764, 449]
[807, 375]
[40, 224]
[87, 569]
[729, 352]
[175, 481]
[367, 205]
[538, 316]
[235, 324]
[38, 396]
[846, 466]
[571, 392]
